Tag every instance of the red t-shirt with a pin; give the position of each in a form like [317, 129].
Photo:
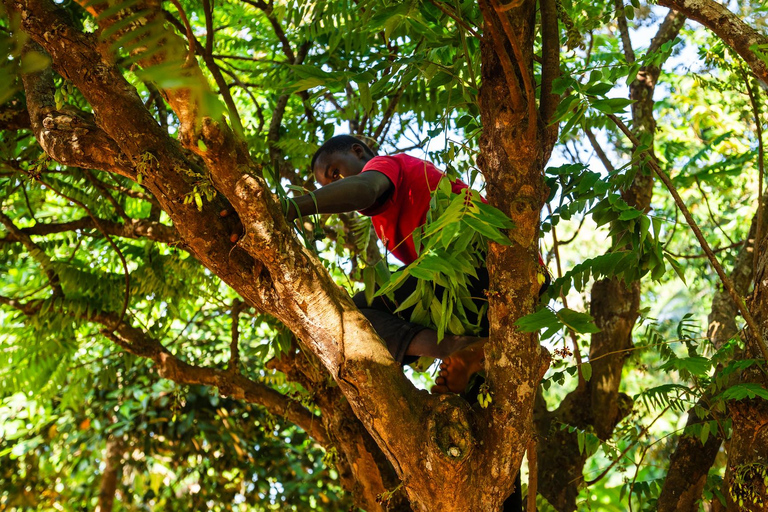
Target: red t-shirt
[406, 209]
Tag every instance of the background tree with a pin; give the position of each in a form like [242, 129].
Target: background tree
[153, 294]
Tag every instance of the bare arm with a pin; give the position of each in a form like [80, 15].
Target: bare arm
[350, 194]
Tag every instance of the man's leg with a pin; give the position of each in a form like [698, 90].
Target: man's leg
[407, 341]
[456, 370]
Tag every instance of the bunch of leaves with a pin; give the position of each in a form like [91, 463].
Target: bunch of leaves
[749, 483]
[451, 245]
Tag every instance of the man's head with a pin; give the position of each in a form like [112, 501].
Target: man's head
[341, 156]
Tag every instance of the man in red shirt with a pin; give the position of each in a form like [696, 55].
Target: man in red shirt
[395, 192]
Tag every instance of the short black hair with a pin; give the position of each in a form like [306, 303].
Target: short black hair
[337, 144]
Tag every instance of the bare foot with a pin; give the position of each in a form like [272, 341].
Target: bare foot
[457, 368]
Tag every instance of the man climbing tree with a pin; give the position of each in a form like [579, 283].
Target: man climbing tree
[395, 192]
[128, 126]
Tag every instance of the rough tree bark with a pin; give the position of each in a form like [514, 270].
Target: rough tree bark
[514, 148]
[464, 459]
[598, 404]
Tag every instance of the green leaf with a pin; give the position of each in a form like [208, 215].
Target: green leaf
[696, 365]
[486, 230]
[365, 95]
[612, 105]
[579, 322]
[630, 214]
[704, 433]
[33, 62]
[586, 371]
[747, 390]
[201, 145]
[442, 78]
[679, 270]
[599, 89]
[543, 318]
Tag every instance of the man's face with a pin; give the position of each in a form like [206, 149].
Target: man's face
[330, 167]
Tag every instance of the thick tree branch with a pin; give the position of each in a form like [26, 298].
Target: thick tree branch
[63, 133]
[136, 228]
[626, 42]
[113, 455]
[236, 386]
[207, 54]
[728, 27]
[169, 366]
[506, 63]
[524, 66]
[550, 62]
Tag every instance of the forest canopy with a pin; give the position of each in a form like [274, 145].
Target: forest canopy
[169, 341]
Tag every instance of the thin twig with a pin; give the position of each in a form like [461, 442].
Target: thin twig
[190, 33]
[576, 352]
[727, 283]
[455, 18]
[629, 447]
[578, 230]
[760, 166]
[470, 67]
[599, 151]
[104, 192]
[26, 200]
[709, 209]
[234, 350]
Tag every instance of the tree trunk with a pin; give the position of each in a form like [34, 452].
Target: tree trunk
[512, 157]
[113, 455]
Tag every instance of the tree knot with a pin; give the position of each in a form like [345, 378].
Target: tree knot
[449, 429]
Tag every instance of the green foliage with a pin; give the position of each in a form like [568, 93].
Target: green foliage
[451, 246]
